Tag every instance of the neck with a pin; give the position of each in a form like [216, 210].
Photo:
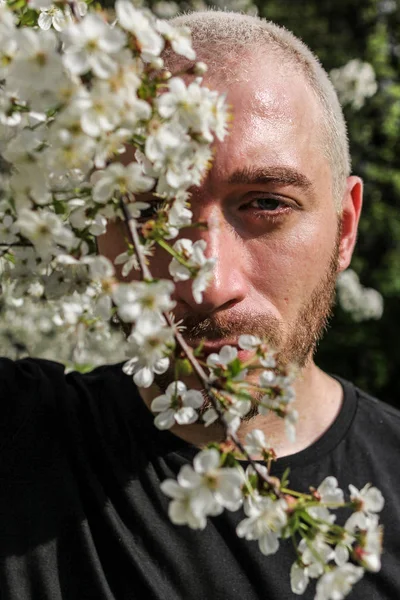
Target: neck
[318, 401]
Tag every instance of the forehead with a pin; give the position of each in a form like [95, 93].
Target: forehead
[277, 119]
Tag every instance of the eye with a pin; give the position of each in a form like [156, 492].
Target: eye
[267, 204]
[268, 207]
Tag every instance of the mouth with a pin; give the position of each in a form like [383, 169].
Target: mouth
[215, 346]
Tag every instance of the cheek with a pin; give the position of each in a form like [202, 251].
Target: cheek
[160, 261]
[286, 268]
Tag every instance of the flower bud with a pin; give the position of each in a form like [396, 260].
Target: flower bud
[165, 75]
[200, 68]
[184, 367]
[157, 63]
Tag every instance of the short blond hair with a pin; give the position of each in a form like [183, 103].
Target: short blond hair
[220, 35]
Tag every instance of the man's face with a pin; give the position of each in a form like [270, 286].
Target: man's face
[273, 226]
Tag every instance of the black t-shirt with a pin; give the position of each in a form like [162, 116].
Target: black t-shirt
[82, 515]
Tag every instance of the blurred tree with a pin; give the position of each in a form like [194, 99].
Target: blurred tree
[368, 353]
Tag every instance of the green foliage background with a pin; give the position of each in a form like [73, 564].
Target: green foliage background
[338, 30]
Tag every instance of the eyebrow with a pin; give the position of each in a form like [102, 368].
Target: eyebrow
[275, 175]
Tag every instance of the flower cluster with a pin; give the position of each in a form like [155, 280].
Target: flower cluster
[274, 383]
[76, 93]
[83, 339]
[361, 302]
[354, 82]
[360, 538]
[203, 490]
[336, 556]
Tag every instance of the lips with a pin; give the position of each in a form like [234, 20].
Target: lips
[215, 346]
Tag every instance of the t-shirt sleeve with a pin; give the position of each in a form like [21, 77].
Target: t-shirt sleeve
[26, 386]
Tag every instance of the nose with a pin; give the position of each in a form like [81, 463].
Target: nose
[228, 286]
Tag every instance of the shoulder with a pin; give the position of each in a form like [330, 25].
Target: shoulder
[27, 372]
[36, 395]
[372, 408]
[25, 385]
[375, 422]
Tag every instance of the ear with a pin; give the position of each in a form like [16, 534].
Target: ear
[351, 210]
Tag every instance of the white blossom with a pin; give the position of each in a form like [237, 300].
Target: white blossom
[137, 22]
[343, 548]
[195, 259]
[101, 268]
[119, 178]
[44, 229]
[234, 414]
[298, 579]
[8, 40]
[150, 342]
[99, 110]
[315, 554]
[266, 356]
[178, 404]
[213, 488]
[91, 45]
[361, 302]
[164, 143]
[53, 16]
[180, 510]
[371, 550]
[37, 66]
[223, 358]
[337, 583]
[329, 492]
[256, 443]
[265, 523]
[178, 37]
[138, 299]
[249, 342]
[369, 499]
[179, 215]
[354, 82]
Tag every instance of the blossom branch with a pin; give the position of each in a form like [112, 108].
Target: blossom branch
[188, 351]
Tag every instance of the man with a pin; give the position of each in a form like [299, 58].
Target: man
[81, 461]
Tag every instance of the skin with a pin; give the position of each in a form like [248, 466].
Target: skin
[271, 255]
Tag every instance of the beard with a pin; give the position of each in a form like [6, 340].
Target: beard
[294, 343]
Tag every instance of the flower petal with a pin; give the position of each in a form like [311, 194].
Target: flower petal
[186, 415]
[188, 478]
[144, 377]
[160, 403]
[165, 420]
[171, 488]
[206, 461]
[268, 543]
[298, 579]
[193, 398]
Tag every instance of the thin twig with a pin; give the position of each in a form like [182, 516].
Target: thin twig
[130, 221]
